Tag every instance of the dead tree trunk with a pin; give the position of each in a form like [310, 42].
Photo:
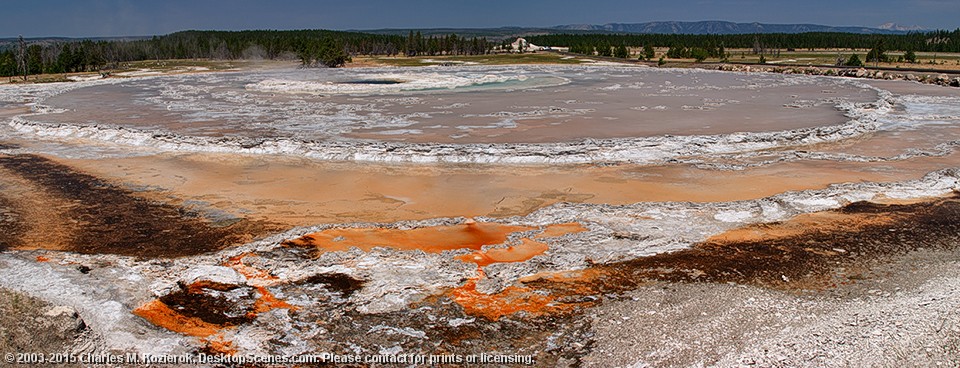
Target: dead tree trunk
[22, 57]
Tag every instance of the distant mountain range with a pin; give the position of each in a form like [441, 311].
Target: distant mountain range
[897, 27]
[722, 27]
[703, 27]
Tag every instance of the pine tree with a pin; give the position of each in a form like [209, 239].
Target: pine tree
[877, 54]
[603, 49]
[699, 54]
[419, 47]
[648, 52]
[621, 52]
[411, 45]
[910, 56]
[332, 55]
[854, 60]
[22, 57]
[678, 52]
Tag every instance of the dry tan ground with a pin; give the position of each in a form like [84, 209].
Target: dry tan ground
[31, 325]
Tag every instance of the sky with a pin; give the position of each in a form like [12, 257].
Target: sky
[101, 18]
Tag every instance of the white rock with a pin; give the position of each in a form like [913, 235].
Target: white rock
[217, 274]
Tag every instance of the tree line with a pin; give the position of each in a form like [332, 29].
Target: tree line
[311, 47]
[934, 41]
[416, 44]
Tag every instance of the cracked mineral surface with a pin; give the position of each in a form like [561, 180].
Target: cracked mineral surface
[596, 215]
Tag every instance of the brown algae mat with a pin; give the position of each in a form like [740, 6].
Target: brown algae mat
[52, 206]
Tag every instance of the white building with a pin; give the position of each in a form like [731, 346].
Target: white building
[522, 44]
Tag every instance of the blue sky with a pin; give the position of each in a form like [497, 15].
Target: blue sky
[79, 18]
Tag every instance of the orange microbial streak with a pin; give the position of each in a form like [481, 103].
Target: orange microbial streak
[256, 278]
[197, 287]
[556, 230]
[513, 299]
[268, 302]
[162, 315]
[803, 224]
[569, 283]
[433, 239]
[470, 235]
[436, 239]
[218, 344]
[526, 250]
[251, 273]
[587, 275]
